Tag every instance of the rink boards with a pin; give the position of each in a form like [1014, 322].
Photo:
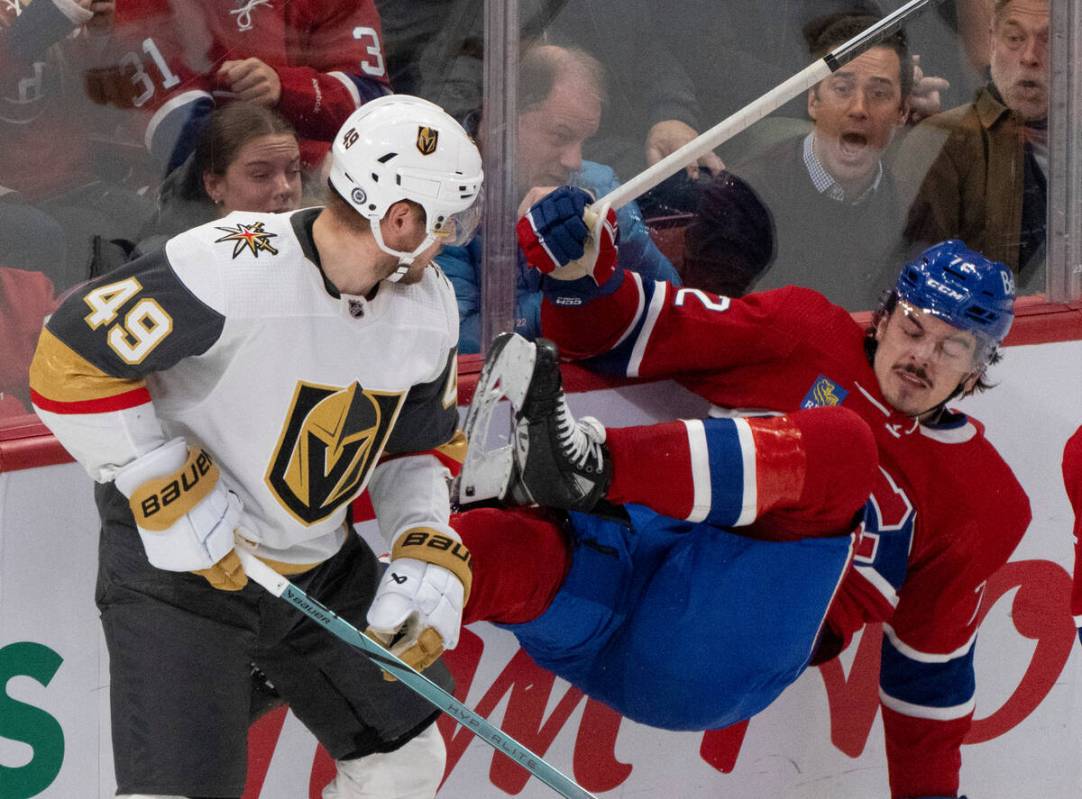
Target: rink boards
[822, 738]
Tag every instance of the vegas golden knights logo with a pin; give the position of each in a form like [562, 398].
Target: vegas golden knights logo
[426, 140]
[330, 442]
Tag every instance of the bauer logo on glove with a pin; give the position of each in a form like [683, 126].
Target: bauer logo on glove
[184, 514]
[191, 484]
[563, 238]
[417, 611]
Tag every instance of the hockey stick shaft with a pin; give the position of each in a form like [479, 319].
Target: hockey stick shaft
[278, 585]
[760, 107]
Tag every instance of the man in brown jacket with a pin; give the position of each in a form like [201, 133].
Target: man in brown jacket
[978, 172]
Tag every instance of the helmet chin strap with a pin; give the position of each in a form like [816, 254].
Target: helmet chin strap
[405, 259]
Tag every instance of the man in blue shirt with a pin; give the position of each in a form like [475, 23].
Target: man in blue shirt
[560, 91]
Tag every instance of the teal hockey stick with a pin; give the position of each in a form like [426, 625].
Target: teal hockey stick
[278, 585]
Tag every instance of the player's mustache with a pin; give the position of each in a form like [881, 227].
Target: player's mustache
[917, 372]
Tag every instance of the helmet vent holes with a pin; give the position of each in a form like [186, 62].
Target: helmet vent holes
[383, 159]
[375, 178]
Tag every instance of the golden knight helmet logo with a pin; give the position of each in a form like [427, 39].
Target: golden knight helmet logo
[427, 138]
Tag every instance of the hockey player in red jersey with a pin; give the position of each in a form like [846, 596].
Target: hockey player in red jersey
[251, 378]
[1072, 481]
[945, 511]
[314, 61]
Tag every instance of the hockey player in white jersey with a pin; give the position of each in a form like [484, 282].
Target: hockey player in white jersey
[251, 379]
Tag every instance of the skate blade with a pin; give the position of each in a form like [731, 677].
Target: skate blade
[486, 473]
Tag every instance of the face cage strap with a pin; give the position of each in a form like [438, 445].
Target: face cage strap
[405, 259]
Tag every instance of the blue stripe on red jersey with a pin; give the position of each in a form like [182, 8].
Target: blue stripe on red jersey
[367, 88]
[722, 447]
[926, 685]
[618, 360]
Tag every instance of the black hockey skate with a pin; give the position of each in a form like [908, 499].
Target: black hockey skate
[559, 462]
[552, 459]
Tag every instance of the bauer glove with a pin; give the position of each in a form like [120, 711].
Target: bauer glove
[563, 238]
[185, 515]
[417, 611]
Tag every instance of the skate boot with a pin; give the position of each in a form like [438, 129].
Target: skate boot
[559, 462]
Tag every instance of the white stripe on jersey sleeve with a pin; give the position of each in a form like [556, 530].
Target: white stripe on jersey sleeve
[640, 293]
[926, 712]
[750, 500]
[879, 583]
[927, 657]
[351, 87]
[168, 107]
[657, 303]
[700, 470]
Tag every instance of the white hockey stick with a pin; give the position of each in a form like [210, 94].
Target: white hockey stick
[759, 108]
[264, 575]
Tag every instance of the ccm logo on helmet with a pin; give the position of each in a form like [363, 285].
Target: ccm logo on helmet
[943, 288]
[182, 485]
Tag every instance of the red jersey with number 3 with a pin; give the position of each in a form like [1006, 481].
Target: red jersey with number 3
[946, 511]
[328, 55]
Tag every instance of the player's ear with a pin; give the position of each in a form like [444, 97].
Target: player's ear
[212, 185]
[881, 325]
[398, 215]
[970, 382]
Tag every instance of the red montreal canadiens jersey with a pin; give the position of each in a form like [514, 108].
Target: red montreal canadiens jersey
[41, 153]
[328, 55]
[945, 514]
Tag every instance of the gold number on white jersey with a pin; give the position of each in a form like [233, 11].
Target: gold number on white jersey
[143, 328]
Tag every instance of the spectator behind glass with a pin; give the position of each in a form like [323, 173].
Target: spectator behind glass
[52, 196]
[818, 209]
[246, 159]
[560, 94]
[978, 172]
[680, 68]
[26, 298]
[313, 61]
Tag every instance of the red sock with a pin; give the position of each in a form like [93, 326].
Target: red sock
[651, 465]
[519, 558]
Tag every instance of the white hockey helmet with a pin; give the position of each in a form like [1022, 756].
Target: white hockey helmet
[400, 147]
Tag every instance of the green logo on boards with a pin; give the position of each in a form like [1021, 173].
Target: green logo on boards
[28, 724]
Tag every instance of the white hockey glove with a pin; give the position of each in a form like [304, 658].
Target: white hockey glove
[184, 514]
[417, 611]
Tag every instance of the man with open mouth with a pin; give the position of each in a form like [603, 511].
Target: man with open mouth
[978, 172]
[818, 208]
